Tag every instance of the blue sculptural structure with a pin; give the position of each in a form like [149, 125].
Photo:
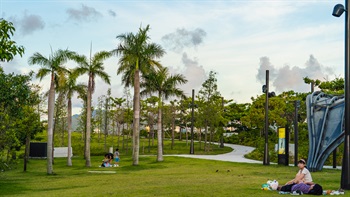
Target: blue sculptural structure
[325, 117]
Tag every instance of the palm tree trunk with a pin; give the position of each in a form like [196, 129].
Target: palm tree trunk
[26, 152]
[127, 138]
[50, 111]
[99, 131]
[118, 127]
[136, 123]
[62, 136]
[186, 136]
[206, 136]
[163, 133]
[180, 137]
[159, 132]
[106, 124]
[173, 132]
[113, 133]
[200, 138]
[149, 141]
[88, 124]
[69, 159]
[152, 129]
[210, 138]
[123, 135]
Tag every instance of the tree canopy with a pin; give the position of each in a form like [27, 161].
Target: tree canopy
[8, 47]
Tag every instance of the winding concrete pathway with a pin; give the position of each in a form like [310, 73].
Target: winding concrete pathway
[237, 155]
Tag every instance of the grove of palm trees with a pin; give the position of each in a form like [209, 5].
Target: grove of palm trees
[153, 105]
[174, 98]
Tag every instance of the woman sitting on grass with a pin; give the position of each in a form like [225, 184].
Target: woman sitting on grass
[303, 176]
[107, 161]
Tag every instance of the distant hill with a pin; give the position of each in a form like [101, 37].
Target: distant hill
[75, 120]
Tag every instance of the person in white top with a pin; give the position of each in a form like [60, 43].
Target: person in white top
[303, 176]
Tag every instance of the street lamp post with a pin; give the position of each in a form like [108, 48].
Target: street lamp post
[266, 148]
[296, 107]
[222, 135]
[345, 173]
[106, 120]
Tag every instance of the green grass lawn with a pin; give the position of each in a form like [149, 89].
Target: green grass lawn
[98, 145]
[173, 177]
[181, 147]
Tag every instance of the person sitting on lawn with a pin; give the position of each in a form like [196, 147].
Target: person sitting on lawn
[107, 160]
[303, 176]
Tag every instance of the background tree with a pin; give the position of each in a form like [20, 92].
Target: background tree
[70, 87]
[8, 47]
[60, 119]
[151, 114]
[210, 102]
[137, 57]
[99, 116]
[106, 117]
[313, 82]
[128, 118]
[82, 117]
[164, 85]
[31, 125]
[184, 116]
[118, 115]
[334, 87]
[234, 113]
[92, 67]
[51, 65]
[173, 121]
[281, 115]
[18, 118]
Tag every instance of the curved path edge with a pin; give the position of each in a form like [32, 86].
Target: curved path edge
[237, 155]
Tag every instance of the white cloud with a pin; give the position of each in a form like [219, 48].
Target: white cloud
[193, 71]
[183, 38]
[28, 23]
[291, 77]
[112, 13]
[85, 13]
[238, 33]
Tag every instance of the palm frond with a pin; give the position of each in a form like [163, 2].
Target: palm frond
[162, 83]
[100, 56]
[43, 72]
[81, 60]
[39, 59]
[103, 75]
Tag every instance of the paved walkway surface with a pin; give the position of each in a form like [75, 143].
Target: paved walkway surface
[237, 155]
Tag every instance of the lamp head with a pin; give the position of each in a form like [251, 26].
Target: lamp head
[264, 88]
[338, 10]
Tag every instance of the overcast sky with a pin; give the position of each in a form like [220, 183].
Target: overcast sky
[237, 39]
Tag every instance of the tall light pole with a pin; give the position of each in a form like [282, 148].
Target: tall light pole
[345, 173]
[296, 107]
[266, 148]
[222, 135]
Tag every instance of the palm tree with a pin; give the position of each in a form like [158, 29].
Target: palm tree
[137, 57]
[165, 86]
[93, 67]
[51, 65]
[69, 88]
